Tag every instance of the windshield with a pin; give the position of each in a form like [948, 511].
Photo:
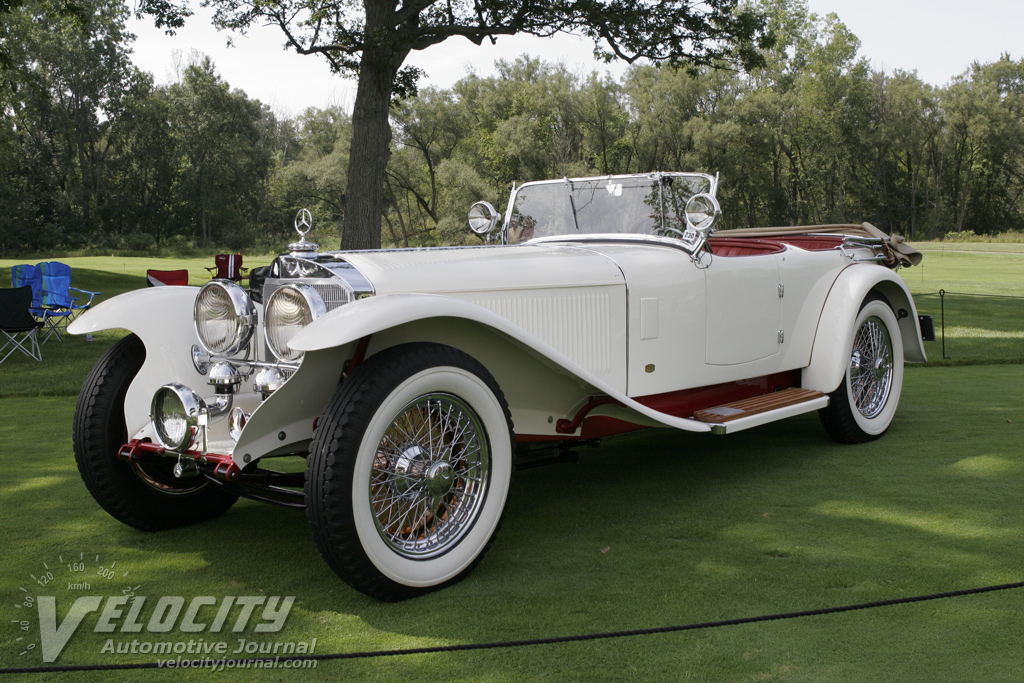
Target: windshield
[636, 205]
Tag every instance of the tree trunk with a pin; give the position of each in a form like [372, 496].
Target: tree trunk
[371, 132]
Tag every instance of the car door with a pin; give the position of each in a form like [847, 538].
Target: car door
[744, 309]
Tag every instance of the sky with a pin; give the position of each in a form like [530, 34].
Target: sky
[937, 38]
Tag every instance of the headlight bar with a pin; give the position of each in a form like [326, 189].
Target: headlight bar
[202, 360]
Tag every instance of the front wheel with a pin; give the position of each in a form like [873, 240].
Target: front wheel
[145, 494]
[863, 406]
[409, 471]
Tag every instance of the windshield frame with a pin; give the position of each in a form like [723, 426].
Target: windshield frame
[572, 208]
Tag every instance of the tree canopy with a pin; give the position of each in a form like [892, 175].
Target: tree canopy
[373, 38]
[97, 158]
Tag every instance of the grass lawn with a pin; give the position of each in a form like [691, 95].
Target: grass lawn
[653, 529]
[983, 305]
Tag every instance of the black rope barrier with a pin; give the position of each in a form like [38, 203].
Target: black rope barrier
[942, 309]
[943, 292]
[241, 663]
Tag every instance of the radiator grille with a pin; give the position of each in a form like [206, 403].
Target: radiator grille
[334, 293]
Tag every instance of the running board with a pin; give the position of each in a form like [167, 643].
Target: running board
[753, 412]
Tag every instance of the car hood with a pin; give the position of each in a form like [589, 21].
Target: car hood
[472, 269]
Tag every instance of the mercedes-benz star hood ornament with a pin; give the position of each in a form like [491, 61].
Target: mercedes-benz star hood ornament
[303, 224]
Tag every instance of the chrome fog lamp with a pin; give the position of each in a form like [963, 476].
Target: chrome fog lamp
[267, 380]
[177, 413]
[225, 317]
[288, 310]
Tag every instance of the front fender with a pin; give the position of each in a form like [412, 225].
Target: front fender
[146, 312]
[369, 316]
[536, 378]
[162, 318]
[833, 339]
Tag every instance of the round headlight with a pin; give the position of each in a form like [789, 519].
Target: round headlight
[225, 317]
[288, 310]
[175, 412]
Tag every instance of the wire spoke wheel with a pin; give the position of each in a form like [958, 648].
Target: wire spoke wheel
[429, 476]
[863, 406]
[409, 471]
[871, 368]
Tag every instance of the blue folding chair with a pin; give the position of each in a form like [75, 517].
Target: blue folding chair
[56, 295]
[25, 275]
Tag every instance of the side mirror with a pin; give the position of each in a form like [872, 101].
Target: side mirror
[483, 218]
[702, 213]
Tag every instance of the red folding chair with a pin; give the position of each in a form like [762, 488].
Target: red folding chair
[228, 267]
[160, 278]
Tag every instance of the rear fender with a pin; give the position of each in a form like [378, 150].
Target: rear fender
[833, 338]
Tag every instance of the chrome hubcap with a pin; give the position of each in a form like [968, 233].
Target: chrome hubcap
[871, 368]
[429, 477]
[440, 478]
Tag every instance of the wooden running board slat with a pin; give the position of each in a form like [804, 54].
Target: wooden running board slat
[756, 405]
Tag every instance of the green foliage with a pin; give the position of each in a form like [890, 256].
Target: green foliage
[65, 81]
[372, 40]
[1009, 237]
[812, 135]
[311, 171]
[223, 161]
[959, 236]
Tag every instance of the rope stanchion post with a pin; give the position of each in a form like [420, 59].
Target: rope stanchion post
[942, 314]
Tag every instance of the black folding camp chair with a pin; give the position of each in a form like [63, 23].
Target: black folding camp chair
[19, 328]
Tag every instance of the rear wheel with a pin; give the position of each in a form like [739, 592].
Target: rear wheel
[863, 406]
[409, 471]
[146, 494]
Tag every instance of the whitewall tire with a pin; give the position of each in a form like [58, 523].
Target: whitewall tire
[863, 406]
[409, 471]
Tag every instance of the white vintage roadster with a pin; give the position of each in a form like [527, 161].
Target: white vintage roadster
[405, 382]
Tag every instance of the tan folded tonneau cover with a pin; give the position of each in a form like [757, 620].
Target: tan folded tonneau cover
[907, 255]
